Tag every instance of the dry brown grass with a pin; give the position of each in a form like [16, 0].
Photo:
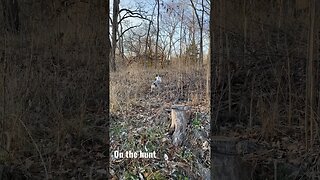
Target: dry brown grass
[269, 116]
[129, 85]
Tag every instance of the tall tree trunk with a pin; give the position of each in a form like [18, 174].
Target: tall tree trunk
[200, 23]
[289, 84]
[108, 33]
[244, 30]
[107, 8]
[147, 38]
[146, 54]
[114, 33]
[171, 39]
[213, 63]
[120, 42]
[229, 74]
[181, 30]
[201, 34]
[220, 62]
[158, 30]
[309, 114]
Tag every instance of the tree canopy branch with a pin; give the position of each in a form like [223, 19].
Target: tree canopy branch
[131, 14]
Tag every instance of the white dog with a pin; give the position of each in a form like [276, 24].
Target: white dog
[156, 83]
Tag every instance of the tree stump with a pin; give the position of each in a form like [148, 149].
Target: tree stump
[178, 124]
[227, 162]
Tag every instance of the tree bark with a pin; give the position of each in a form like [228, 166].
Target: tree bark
[108, 33]
[114, 33]
[213, 65]
[179, 122]
[158, 30]
[107, 8]
[310, 93]
[146, 56]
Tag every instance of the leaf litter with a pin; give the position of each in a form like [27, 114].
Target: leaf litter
[145, 126]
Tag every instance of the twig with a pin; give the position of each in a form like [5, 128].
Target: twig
[36, 146]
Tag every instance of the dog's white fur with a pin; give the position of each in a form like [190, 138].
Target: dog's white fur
[158, 79]
[156, 83]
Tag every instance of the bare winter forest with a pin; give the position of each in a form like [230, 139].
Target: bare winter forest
[168, 119]
[183, 89]
[263, 89]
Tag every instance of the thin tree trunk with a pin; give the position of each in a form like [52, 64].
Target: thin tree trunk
[201, 34]
[114, 33]
[108, 74]
[279, 22]
[244, 30]
[213, 64]
[158, 30]
[175, 24]
[108, 34]
[289, 86]
[229, 74]
[310, 106]
[208, 86]
[200, 23]
[220, 43]
[146, 47]
[181, 33]
[120, 42]
[147, 38]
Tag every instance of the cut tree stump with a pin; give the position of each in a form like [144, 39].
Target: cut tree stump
[179, 122]
[227, 162]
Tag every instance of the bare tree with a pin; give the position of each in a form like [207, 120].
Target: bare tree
[123, 28]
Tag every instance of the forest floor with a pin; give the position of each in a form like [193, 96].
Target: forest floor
[81, 155]
[280, 156]
[140, 122]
